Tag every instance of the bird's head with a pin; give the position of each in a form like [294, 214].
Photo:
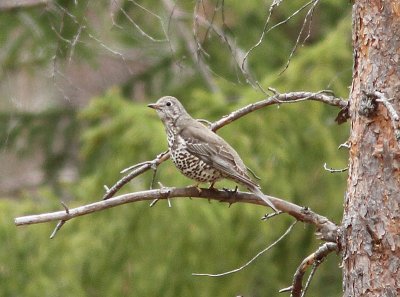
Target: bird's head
[168, 108]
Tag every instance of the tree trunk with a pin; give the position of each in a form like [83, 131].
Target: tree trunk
[371, 222]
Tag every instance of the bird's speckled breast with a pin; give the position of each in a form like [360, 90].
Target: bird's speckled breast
[188, 164]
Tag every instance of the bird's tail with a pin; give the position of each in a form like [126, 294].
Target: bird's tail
[256, 190]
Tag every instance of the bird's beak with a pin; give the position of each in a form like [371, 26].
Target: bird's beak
[154, 106]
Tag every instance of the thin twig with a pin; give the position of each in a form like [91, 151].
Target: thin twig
[199, 47]
[141, 31]
[236, 52]
[144, 166]
[57, 228]
[310, 277]
[191, 48]
[268, 216]
[332, 170]
[60, 222]
[308, 18]
[65, 207]
[265, 31]
[74, 42]
[344, 145]
[156, 16]
[252, 259]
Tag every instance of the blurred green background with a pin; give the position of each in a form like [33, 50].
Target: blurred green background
[75, 80]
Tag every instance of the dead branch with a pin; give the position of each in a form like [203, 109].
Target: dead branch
[279, 99]
[327, 229]
[315, 259]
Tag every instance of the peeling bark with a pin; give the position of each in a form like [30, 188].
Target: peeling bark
[371, 222]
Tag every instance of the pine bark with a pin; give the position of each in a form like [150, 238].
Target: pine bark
[371, 222]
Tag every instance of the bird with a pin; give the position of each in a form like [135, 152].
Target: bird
[199, 153]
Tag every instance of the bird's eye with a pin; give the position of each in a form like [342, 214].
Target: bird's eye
[168, 103]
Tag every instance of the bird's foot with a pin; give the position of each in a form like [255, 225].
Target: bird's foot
[234, 191]
[197, 187]
[232, 194]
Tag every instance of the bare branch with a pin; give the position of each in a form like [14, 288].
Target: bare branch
[279, 99]
[315, 258]
[252, 259]
[327, 229]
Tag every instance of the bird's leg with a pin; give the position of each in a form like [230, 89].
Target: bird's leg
[197, 186]
[212, 186]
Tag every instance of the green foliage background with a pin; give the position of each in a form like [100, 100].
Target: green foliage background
[134, 250]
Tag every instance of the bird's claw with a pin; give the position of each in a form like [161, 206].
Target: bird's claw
[231, 194]
[231, 191]
[196, 186]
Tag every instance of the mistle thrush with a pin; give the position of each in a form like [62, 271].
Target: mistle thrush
[198, 152]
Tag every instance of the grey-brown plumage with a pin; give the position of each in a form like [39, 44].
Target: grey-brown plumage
[198, 152]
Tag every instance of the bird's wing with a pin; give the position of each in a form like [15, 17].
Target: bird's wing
[215, 151]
